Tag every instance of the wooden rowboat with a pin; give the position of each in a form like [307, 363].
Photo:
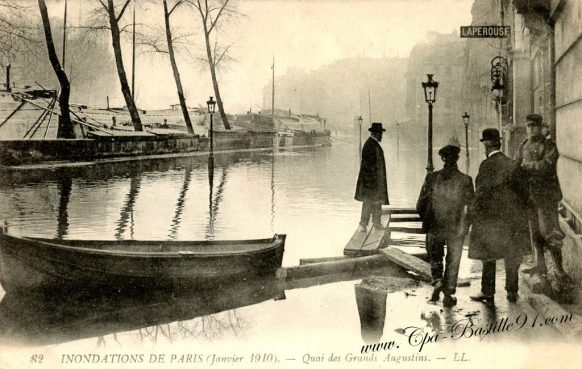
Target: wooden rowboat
[29, 262]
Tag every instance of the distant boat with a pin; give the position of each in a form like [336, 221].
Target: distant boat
[32, 263]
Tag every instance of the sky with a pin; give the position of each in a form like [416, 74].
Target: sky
[300, 35]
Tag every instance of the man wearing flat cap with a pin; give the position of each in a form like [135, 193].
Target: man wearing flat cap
[538, 157]
[442, 206]
[372, 187]
[499, 218]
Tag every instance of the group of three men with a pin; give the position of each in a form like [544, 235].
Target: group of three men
[515, 201]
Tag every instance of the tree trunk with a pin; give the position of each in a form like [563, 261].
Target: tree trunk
[65, 129]
[215, 81]
[115, 39]
[175, 70]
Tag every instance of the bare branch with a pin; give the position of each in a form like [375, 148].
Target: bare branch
[213, 23]
[177, 4]
[104, 6]
[122, 10]
[222, 55]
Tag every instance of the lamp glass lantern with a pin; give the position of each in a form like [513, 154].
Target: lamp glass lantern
[497, 88]
[211, 105]
[466, 117]
[360, 120]
[430, 89]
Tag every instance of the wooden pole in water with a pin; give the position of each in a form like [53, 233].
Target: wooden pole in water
[8, 78]
[369, 107]
[273, 93]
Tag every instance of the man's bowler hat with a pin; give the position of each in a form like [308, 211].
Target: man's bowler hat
[376, 127]
[490, 134]
[534, 120]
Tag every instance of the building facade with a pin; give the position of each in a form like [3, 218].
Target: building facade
[547, 65]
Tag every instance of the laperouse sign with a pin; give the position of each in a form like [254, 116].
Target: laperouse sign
[485, 31]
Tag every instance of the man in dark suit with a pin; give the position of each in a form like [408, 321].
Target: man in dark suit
[372, 187]
[442, 206]
[538, 156]
[499, 218]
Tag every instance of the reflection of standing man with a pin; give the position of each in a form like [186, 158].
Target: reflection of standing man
[442, 206]
[499, 218]
[538, 156]
[372, 187]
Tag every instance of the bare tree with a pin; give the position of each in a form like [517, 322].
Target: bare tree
[16, 33]
[65, 129]
[170, 42]
[114, 18]
[211, 13]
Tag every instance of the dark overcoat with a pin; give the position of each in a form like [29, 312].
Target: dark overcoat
[538, 157]
[442, 200]
[372, 182]
[499, 211]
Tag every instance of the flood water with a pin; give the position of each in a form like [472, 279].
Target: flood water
[304, 193]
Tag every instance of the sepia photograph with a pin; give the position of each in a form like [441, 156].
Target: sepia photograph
[290, 184]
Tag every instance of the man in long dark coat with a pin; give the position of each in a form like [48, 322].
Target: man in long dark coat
[499, 218]
[372, 187]
[442, 206]
[538, 157]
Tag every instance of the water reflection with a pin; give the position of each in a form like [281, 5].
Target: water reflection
[372, 312]
[64, 187]
[214, 201]
[43, 319]
[126, 215]
[176, 220]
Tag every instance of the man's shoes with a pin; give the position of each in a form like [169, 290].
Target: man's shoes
[512, 297]
[379, 227]
[436, 293]
[481, 297]
[449, 300]
[362, 228]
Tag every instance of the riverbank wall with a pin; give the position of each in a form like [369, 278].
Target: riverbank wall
[27, 152]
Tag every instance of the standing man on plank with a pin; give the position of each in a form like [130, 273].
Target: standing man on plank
[372, 186]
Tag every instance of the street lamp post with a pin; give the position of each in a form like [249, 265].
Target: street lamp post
[430, 90]
[360, 120]
[498, 71]
[211, 109]
[466, 117]
[397, 137]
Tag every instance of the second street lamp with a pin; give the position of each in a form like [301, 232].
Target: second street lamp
[498, 73]
[360, 120]
[430, 91]
[466, 117]
[211, 109]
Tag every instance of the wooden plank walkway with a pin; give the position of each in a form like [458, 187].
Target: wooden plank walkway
[369, 242]
[409, 262]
